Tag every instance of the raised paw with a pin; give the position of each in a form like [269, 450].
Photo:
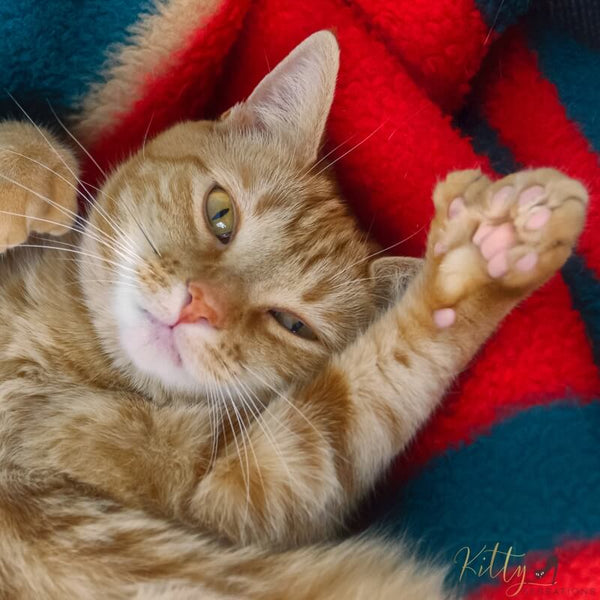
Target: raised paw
[38, 184]
[512, 234]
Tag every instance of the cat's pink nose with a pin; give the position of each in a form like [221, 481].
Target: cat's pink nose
[202, 306]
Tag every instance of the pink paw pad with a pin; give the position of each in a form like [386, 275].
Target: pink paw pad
[539, 218]
[527, 262]
[498, 266]
[439, 248]
[444, 317]
[531, 195]
[456, 207]
[482, 232]
[500, 239]
[501, 197]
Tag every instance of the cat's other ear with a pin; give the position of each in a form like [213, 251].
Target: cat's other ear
[293, 100]
[392, 274]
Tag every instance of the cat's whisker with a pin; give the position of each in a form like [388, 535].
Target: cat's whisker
[97, 165]
[68, 212]
[75, 251]
[59, 244]
[266, 409]
[261, 423]
[352, 282]
[245, 439]
[378, 252]
[246, 436]
[51, 146]
[280, 395]
[245, 442]
[214, 429]
[146, 136]
[64, 162]
[258, 417]
[418, 111]
[269, 436]
[235, 441]
[97, 206]
[123, 277]
[245, 433]
[65, 211]
[357, 145]
[317, 163]
[69, 227]
[111, 281]
[138, 224]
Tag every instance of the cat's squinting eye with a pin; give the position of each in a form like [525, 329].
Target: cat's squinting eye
[293, 324]
[220, 214]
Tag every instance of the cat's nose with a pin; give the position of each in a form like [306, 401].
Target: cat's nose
[202, 305]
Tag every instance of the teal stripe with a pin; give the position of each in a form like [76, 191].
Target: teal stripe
[55, 48]
[485, 140]
[531, 483]
[575, 71]
[585, 294]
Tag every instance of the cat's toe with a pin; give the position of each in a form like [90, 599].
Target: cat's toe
[13, 232]
[542, 215]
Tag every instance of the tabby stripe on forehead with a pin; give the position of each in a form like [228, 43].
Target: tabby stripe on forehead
[189, 159]
[318, 291]
[310, 261]
[327, 250]
[266, 203]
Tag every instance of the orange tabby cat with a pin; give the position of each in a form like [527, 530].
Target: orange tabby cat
[198, 388]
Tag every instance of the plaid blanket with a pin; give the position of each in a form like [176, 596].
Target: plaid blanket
[503, 484]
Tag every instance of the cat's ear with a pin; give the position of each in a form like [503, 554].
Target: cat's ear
[392, 274]
[293, 100]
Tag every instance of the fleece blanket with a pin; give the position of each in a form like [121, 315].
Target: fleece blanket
[503, 484]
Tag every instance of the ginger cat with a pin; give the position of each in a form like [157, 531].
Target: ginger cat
[200, 383]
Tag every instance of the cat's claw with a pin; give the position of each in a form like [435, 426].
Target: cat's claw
[514, 233]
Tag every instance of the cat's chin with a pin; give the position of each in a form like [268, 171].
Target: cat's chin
[152, 348]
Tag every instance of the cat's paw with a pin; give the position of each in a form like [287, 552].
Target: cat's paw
[514, 233]
[38, 184]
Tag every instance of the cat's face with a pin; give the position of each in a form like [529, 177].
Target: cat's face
[236, 266]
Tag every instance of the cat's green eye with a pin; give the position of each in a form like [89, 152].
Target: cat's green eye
[293, 324]
[220, 214]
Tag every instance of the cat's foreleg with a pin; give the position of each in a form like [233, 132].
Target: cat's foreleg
[318, 450]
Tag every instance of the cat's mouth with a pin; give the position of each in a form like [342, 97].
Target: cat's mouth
[162, 336]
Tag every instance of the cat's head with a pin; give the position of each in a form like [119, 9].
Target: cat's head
[235, 265]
